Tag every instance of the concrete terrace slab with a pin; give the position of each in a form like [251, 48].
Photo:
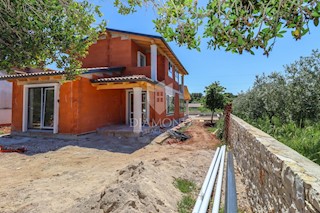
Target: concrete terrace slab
[40, 144]
[124, 130]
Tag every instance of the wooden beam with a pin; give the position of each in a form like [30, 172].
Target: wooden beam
[125, 85]
[43, 78]
[35, 80]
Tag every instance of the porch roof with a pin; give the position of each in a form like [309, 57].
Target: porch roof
[131, 78]
[123, 82]
[61, 72]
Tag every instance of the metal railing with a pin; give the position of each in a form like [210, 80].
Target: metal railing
[231, 192]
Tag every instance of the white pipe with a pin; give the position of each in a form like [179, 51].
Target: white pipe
[205, 183]
[216, 202]
[207, 196]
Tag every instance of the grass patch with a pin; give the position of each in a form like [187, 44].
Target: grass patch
[1, 132]
[212, 129]
[186, 204]
[184, 185]
[188, 200]
[218, 128]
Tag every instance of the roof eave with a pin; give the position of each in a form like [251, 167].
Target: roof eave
[57, 73]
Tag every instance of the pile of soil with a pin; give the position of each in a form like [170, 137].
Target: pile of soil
[147, 186]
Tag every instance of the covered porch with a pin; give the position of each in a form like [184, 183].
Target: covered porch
[138, 88]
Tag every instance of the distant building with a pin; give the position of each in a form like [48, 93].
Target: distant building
[194, 108]
[5, 101]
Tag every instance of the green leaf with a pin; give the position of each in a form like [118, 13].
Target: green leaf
[315, 14]
[240, 40]
[316, 22]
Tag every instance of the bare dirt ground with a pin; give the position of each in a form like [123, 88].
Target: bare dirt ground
[101, 174]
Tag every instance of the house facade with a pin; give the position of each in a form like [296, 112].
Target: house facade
[127, 79]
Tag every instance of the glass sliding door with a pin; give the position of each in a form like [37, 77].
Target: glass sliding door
[144, 108]
[34, 108]
[48, 108]
[40, 108]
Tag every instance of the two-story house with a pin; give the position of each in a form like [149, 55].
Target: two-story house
[128, 79]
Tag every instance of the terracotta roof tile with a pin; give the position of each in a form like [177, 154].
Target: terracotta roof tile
[59, 72]
[32, 74]
[131, 78]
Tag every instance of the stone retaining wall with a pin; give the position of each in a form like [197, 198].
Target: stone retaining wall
[278, 179]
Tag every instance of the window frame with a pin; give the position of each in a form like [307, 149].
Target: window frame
[177, 76]
[26, 87]
[139, 56]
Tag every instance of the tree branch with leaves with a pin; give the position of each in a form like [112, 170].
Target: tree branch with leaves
[235, 25]
[38, 33]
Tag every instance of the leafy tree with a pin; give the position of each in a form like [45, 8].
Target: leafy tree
[235, 25]
[287, 106]
[214, 97]
[229, 97]
[35, 33]
[303, 90]
[294, 96]
[196, 97]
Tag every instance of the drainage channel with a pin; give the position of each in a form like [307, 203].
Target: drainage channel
[215, 175]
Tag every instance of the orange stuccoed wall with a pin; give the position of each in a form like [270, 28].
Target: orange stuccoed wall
[112, 52]
[82, 108]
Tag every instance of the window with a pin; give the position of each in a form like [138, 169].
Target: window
[170, 70]
[170, 104]
[182, 105]
[142, 60]
[159, 96]
[177, 77]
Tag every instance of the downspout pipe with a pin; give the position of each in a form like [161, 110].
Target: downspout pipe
[206, 182]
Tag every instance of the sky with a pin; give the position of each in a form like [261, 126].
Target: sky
[235, 72]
